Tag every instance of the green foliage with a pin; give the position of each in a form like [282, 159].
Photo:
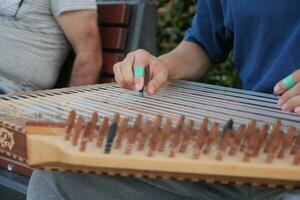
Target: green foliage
[174, 17]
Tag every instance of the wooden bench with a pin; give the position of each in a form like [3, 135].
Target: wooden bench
[124, 26]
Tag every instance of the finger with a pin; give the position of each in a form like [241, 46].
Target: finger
[287, 83]
[156, 82]
[118, 74]
[141, 60]
[126, 69]
[291, 104]
[297, 110]
[289, 94]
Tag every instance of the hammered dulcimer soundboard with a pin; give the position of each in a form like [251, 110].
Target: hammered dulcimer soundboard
[188, 131]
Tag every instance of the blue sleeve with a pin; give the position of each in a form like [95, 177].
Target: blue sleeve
[208, 30]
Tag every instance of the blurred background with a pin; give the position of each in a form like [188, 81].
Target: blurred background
[173, 18]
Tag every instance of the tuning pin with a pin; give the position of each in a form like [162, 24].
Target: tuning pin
[296, 145]
[166, 132]
[132, 134]
[111, 134]
[296, 160]
[155, 135]
[70, 124]
[85, 136]
[224, 144]
[273, 148]
[103, 131]
[200, 141]
[94, 120]
[239, 136]
[187, 136]
[262, 137]
[248, 132]
[78, 128]
[287, 141]
[121, 132]
[251, 146]
[145, 134]
[228, 125]
[212, 136]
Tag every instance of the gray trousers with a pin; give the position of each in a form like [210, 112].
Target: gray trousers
[64, 186]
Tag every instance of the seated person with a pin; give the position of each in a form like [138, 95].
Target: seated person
[264, 36]
[35, 38]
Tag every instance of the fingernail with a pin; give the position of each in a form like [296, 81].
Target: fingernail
[277, 89]
[297, 110]
[285, 107]
[280, 102]
[139, 83]
[138, 86]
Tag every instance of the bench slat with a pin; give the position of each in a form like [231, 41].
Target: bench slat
[114, 38]
[117, 14]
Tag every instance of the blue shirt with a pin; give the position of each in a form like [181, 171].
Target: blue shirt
[264, 36]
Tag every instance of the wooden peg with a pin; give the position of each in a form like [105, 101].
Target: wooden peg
[121, 133]
[85, 136]
[249, 130]
[180, 123]
[70, 124]
[273, 148]
[296, 146]
[296, 160]
[212, 136]
[200, 141]
[166, 132]
[102, 132]
[262, 137]
[145, 134]
[175, 141]
[287, 142]
[116, 118]
[78, 128]
[224, 144]
[111, 135]
[94, 120]
[251, 146]
[155, 136]
[239, 136]
[228, 125]
[187, 136]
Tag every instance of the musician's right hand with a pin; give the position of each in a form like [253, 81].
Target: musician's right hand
[156, 72]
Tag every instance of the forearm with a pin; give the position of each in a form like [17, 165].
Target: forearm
[187, 61]
[84, 38]
[86, 69]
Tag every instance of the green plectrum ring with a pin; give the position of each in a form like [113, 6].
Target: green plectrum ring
[289, 82]
[139, 71]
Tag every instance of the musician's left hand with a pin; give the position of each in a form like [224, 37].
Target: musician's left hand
[290, 90]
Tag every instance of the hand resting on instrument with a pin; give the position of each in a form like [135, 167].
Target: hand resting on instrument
[290, 90]
[188, 61]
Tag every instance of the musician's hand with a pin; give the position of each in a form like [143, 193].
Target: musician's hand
[290, 90]
[156, 72]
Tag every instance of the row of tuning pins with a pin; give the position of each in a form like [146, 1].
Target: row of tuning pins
[80, 132]
[247, 139]
[251, 141]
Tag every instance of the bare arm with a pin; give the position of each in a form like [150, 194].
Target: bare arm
[80, 28]
[186, 61]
